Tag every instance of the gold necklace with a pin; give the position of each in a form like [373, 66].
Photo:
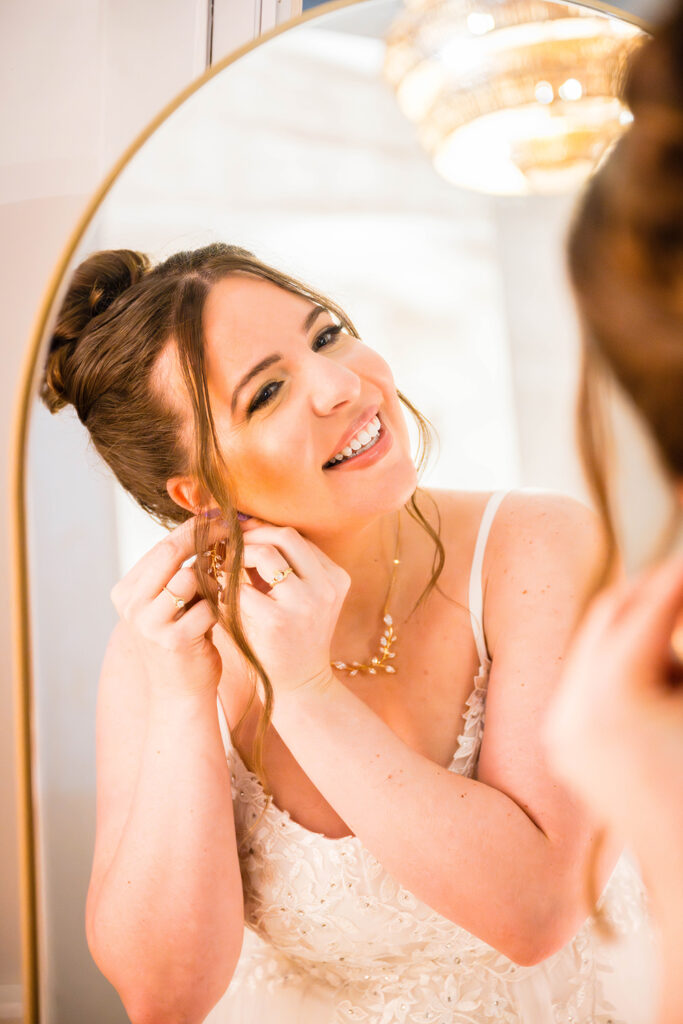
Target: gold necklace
[379, 661]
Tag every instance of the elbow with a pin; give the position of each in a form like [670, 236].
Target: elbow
[139, 1012]
[531, 953]
[152, 997]
[550, 932]
[166, 1007]
[144, 1014]
[530, 950]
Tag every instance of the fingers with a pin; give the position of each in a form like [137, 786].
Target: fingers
[303, 555]
[160, 564]
[288, 544]
[254, 605]
[163, 608]
[267, 561]
[193, 623]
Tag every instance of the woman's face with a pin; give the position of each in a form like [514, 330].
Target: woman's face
[290, 390]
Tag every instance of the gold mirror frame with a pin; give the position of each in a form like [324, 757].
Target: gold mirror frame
[21, 636]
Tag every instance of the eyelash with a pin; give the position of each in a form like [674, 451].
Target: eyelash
[262, 398]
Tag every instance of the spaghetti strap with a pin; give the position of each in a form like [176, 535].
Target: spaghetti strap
[475, 591]
[223, 725]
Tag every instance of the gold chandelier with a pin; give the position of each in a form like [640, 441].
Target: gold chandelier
[511, 96]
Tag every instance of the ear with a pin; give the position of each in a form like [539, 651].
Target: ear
[184, 491]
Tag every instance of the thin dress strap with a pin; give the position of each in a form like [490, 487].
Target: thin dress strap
[475, 594]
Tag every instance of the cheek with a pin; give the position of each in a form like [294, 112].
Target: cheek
[266, 465]
[373, 366]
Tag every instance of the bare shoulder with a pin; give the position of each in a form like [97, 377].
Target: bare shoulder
[544, 549]
[525, 523]
[529, 524]
[457, 513]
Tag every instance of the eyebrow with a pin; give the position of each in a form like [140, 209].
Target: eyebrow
[311, 317]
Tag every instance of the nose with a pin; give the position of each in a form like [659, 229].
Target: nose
[332, 385]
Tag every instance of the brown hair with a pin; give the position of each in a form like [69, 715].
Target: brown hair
[118, 315]
[625, 255]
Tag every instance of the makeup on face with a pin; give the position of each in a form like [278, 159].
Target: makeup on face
[301, 398]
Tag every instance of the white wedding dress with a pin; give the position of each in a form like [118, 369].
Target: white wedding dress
[332, 938]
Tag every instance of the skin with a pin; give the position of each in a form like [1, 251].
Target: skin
[363, 755]
[620, 702]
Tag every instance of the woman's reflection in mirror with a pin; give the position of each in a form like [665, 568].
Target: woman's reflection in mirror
[329, 725]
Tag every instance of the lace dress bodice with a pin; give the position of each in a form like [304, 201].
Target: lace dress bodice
[335, 938]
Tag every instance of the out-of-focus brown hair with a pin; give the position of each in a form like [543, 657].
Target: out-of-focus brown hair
[625, 256]
[118, 315]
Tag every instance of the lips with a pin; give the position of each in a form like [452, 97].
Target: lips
[361, 421]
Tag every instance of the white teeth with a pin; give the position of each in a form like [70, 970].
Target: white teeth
[362, 438]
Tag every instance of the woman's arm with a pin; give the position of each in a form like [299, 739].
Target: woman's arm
[164, 915]
[504, 855]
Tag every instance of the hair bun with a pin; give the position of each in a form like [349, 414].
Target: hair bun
[96, 284]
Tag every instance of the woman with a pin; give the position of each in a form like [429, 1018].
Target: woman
[621, 699]
[410, 864]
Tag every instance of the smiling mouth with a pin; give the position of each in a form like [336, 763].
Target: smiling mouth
[354, 453]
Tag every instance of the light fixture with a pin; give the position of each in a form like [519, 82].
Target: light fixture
[511, 96]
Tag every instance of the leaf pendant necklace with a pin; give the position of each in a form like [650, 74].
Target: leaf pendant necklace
[380, 661]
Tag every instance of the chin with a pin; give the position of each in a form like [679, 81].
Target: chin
[392, 492]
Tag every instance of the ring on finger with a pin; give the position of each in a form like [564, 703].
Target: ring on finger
[179, 603]
[281, 575]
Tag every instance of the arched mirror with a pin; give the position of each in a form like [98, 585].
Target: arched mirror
[302, 150]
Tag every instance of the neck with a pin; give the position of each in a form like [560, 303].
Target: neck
[367, 554]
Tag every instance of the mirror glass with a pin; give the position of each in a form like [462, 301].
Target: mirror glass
[299, 152]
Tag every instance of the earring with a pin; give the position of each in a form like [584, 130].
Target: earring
[217, 566]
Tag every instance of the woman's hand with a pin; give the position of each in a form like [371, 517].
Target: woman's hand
[291, 624]
[174, 643]
[615, 731]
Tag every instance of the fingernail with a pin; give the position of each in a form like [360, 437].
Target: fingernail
[213, 513]
[241, 516]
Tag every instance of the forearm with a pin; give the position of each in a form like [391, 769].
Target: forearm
[464, 848]
[165, 925]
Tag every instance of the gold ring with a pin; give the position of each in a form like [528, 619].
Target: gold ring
[179, 603]
[281, 575]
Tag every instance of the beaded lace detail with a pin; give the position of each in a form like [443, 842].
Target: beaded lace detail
[327, 915]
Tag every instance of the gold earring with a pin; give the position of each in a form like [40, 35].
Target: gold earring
[217, 566]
